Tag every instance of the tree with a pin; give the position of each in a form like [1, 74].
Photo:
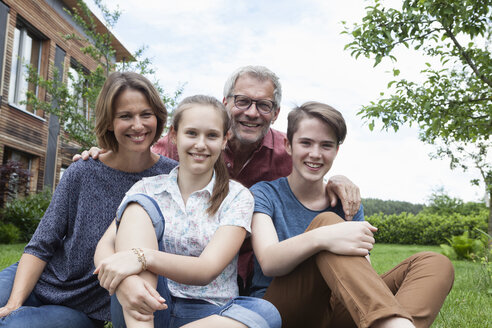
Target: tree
[389, 207]
[439, 202]
[77, 96]
[452, 107]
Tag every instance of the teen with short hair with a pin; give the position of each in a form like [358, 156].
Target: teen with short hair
[311, 264]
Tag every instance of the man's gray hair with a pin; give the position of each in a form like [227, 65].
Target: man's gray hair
[259, 72]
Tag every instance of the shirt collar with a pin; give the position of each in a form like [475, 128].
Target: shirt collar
[172, 182]
[268, 139]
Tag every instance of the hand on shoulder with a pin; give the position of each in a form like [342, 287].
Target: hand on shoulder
[340, 187]
[94, 152]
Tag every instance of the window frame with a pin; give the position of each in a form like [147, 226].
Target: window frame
[80, 72]
[17, 92]
[76, 67]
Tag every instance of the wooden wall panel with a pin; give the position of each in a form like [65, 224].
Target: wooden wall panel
[21, 130]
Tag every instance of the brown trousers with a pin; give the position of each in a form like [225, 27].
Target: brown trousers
[337, 291]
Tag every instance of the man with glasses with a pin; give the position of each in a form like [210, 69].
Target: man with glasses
[252, 94]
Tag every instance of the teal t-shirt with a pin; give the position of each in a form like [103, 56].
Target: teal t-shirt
[289, 216]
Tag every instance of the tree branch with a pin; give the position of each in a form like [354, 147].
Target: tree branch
[419, 37]
[467, 58]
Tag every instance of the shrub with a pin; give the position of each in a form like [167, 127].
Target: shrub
[13, 181]
[425, 228]
[465, 248]
[25, 213]
[9, 233]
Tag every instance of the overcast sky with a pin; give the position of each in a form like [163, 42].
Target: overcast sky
[201, 42]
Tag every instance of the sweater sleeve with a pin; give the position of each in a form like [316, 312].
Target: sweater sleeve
[53, 227]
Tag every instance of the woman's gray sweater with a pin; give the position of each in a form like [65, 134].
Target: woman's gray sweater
[83, 206]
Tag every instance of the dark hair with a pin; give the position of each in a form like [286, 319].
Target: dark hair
[221, 187]
[321, 111]
[115, 84]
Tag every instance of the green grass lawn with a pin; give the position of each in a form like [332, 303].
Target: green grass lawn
[9, 254]
[467, 306]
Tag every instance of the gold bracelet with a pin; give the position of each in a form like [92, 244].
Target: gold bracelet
[141, 257]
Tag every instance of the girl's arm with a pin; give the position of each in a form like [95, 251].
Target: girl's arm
[279, 258]
[105, 246]
[190, 270]
[136, 230]
[139, 298]
[28, 272]
[203, 269]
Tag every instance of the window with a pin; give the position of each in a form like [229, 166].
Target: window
[26, 51]
[77, 84]
[18, 174]
[62, 170]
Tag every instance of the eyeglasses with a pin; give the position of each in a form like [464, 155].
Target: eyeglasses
[264, 106]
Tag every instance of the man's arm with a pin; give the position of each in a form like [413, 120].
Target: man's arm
[163, 147]
[340, 187]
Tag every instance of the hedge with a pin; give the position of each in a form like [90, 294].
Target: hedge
[424, 228]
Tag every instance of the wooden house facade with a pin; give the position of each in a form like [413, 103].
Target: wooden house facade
[31, 33]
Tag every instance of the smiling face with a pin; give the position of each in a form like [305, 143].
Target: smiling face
[313, 149]
[134, 124]
[250, 126]
[199, 141]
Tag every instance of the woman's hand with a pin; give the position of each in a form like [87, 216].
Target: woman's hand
[112, 270]
[7, 309]
[139, 299]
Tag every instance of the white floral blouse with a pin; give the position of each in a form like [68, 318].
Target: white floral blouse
[188, 229]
